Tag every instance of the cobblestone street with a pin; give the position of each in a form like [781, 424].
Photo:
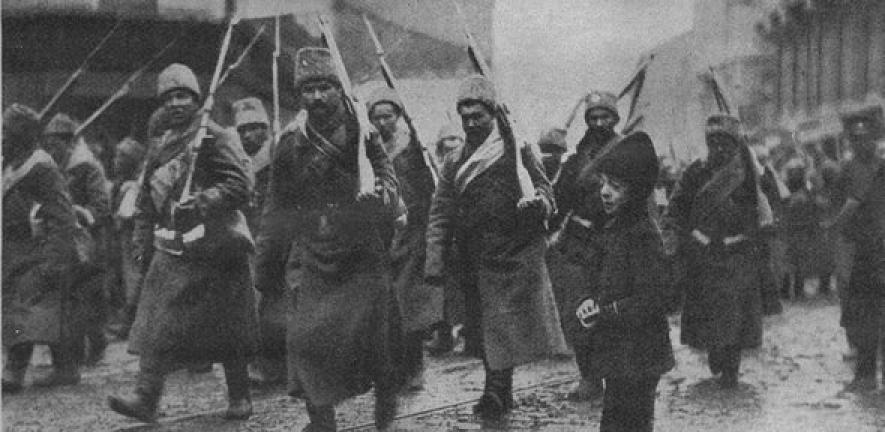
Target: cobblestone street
[793, 383]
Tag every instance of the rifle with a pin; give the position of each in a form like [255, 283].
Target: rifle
[391, 82]
[574, 113]
[243, 55]
[126, 87]
[74, 76]
[501, 111]
[184, 208]
[356, 108]
[277, 128]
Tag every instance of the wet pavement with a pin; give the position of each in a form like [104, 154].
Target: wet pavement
[793, 383]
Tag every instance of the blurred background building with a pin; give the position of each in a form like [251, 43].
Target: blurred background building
[792, 70]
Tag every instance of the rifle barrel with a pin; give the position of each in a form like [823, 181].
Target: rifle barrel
[242, 56]
[125, 87]
[74, 76]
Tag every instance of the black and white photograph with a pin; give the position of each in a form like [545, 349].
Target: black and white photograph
[443, 215]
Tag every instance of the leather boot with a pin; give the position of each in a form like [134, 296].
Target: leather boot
[497, 399]
[64, 368]
[385, 408]
[17, 360]
[142, 404]
[238, 397]
[322, 418]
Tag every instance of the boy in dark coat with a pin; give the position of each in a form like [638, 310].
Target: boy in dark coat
[625, 306]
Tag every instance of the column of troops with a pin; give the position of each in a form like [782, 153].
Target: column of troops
[341, 287]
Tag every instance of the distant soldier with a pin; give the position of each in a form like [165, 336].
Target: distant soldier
[718, 213]
[128, 163]
[449, 139]
[500, 240]
[89, 189]
[862, 220]
[41, 256]
[552, 145]
[420, 305]
[196, 304]
[253, 126]
[578, 220]
[340, 331]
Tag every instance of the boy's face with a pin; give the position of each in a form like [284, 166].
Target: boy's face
[613, 194]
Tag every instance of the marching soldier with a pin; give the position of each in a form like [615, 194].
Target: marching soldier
[420, 305]
[717, 214]
[449, 139]
[88, 187]
[196, 303]
[552, 145]
[253, 127]
[128, 162]
[500, 240]
[339, 335]
[579, 218]
[862, 220]
[43, 249]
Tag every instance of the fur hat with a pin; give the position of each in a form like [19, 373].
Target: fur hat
[383, 94]
[132, 149]
[723, 124]
[249, 110]
[61, 124]
[314, 63]
[177, 76]
[604, 100]
[633, 160]
[553, 137]
[449, 131]
[21, 121]
[477, 88]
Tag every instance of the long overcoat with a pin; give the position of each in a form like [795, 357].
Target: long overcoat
[420, 304]
[196, 307]
[499, 261]
[339, 339]
[40, 261]
[723, 285]
[88, 187]
[577, 196]
[630, 270]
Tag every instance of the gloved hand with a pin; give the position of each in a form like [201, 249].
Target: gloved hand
[185, 215]
[84, 216]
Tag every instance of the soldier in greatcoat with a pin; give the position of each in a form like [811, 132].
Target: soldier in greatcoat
[89, 189]
[196, 304]
[719, 214]
[128, 163]
[420, 305]
[577, 225]
[43, 253]
[862, 221]
[253, 127]
[500, 240]
[339, 335]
